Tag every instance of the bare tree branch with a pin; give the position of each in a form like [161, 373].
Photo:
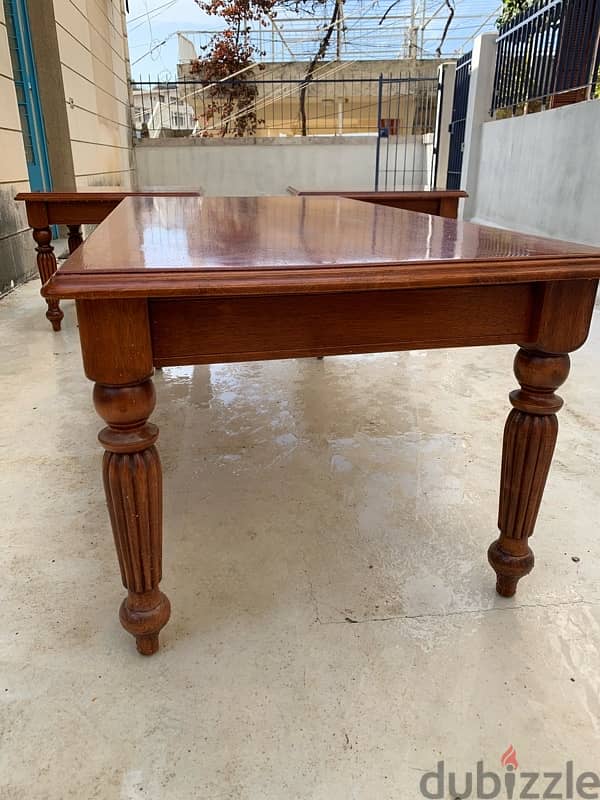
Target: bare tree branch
[389, 8]
[438, 50]
[323, 45]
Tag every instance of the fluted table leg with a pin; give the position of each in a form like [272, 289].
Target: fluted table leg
[117, 355]
[133, 486]
[529, 439]
[46, 263]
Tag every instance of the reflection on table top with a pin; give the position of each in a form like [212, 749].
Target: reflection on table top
[152, 238]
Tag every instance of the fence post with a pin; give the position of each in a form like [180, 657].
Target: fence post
[378, 146]
[481, 88]
[441, 140]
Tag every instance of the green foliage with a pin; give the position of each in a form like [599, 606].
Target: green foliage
[510, 9]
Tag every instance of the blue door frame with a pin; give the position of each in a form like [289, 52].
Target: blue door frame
[28, 98]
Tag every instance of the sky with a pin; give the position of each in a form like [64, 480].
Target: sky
[151, 22]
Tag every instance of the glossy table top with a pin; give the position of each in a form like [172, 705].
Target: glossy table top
[160, 246]
[107, 194]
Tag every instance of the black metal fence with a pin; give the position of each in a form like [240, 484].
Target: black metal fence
[406, 111]
[548, 55]
[459, 120]
[263, 107]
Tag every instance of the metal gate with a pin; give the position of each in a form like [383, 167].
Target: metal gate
[406, 111]
[459, 120]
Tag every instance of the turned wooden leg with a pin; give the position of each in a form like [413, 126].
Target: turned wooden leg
[133, 486]
[46, 262]
[75, 237]
[529, 439]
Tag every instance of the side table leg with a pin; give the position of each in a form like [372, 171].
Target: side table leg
[133, 486]
[75, 237]
[529, 439]
[46, 263]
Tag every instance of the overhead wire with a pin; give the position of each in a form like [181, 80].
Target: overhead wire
[351, 35]
[150, 14]
[482, 26]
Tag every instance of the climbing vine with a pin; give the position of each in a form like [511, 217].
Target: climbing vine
[510, 9]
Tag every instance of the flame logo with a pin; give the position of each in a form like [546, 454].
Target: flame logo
[509, 758]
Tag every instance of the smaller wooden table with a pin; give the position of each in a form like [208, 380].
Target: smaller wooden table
[74, 209]
[441, 202]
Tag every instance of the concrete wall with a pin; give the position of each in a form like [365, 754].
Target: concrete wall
[44, 38]
[541, 173]
[82, 64]
[296, 70]
[481, 86]
[94, 60]
[264, 166]
[16, 245]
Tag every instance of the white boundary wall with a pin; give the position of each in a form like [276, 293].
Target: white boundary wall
[264, 166]
[538, 173]
[541, 173]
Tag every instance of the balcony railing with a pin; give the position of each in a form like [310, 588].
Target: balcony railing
[548, 55]
[252, 107]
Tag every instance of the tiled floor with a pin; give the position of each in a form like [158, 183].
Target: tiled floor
[335, 631]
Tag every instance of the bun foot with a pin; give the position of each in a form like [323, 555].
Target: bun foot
[509, 568]
[54, 314]
[147, 645]
[506, 586]
[144, 616]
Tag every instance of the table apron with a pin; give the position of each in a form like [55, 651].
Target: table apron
[41, 214]
[207, 330]
[428, 206]
[67, 213]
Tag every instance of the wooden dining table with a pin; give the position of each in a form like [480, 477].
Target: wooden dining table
[87, 206]
[187, 280]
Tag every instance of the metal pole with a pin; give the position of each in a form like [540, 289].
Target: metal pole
[377, 151]
[438, 126]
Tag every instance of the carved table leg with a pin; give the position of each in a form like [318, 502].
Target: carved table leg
[529, 439]
[133, 486]
[75, 237]
[46, 262]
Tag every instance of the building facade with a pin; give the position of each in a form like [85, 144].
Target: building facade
[161, 110]
[64, 110]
